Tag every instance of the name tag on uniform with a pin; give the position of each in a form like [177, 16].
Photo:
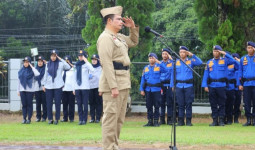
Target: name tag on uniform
[156, 69]
[146, 69]
[230, 66]
[169, 65]
[221, 62]
[188, 62]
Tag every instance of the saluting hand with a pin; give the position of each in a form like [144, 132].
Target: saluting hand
[237, 59]
[45, 62]
[169, 56]
[157, 61]
[128, 22]
[189, 54]
[222, 52]
[31, 65]
[85, 59]
[58, 57]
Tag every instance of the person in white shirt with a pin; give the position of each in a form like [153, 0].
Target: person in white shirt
[53, 84]
[39, 93]
[95, 101]
[82, 68]
[68, 98]
[26, 88]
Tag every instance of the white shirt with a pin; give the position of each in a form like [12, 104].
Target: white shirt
[94, 81]
[58, 81]
[20, 88]
[69, 83]
[85, 69]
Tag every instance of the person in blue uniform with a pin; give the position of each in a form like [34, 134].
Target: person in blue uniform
[81, 81]
[215, 82]
[95, 100]
[238, 93]
[41, 107]
[230, 93]
[26, 88]
[184, 84]
[150, 87]
[53, 83]
[247, 82]
[166, 93]
[68, 98]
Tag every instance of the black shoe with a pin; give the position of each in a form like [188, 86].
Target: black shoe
[28, 121]
[230, 120]
[43, 120]
[180, 122]
[64, 120]
[38, 120]
[162, 120]
[50, 122]
[84, 122]
[188, 122]
[248, 123]
[215, 122]
[24, 121]
[97, 121]
[156, 124]
[80, 123]
[56, 122]
[149, 124]
[71, 121]
[236, 119]
[221, 121]
[169, 121]
[92, 121]
[225, 120]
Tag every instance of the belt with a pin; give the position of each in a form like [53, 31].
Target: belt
[185, 81]
[119, 66]
[217, 80]
[165, 82]
[152, 85]
[232, 81]
[248, 79]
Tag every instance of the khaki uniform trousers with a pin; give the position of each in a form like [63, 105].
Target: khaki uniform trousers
[113, 118]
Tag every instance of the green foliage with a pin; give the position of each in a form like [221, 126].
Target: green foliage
[229, 23]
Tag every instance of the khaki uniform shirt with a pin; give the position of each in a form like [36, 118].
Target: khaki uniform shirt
[114, 47]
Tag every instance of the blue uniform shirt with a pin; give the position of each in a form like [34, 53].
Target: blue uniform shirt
[166, 76]
[216, 69]
[231, 75]
[184, 73]
[151, 75]
[247, 70]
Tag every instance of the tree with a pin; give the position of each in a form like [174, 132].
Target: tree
[229, 23]
[177, 21]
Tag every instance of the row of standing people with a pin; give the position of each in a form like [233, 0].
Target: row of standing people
[60, 79]
[157, 84]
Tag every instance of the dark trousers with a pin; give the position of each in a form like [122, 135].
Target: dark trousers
[152, 100]
[41, 105]
[82, 97]
[217, 99]
[27, 104]
[229, 103]
[249, 98]
[68, 101]
[55, 94]
[95, 103]
[185, 98]
[237, 103]
[166, 100]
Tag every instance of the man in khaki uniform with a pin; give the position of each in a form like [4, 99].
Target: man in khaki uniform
[115, 82]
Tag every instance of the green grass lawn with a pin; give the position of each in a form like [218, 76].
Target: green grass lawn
[132, 132]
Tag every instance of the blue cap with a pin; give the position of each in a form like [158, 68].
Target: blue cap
[40, 58]
[27, 58]
[95, 56]
[236, 55]
[54, 51]
[217, 47]
[67, 57]
[153, 55]
[250, 43]
[83, 53]
[166, 50]
[184, 48]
